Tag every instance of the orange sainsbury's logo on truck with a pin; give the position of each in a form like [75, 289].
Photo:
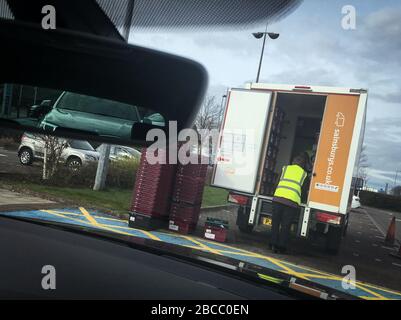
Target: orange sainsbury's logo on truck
[328, 186]
[333, 151]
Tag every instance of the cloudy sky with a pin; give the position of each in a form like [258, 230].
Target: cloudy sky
[313, 48]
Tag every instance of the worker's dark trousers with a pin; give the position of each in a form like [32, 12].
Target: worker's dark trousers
[281, 224]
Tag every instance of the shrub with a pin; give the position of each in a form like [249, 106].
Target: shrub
[121, 175]
[7, 143]
[380, 200]
[14, 135]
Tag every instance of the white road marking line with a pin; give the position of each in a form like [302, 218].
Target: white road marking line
[388, 248]
[375, 245]
[355, 254]
[378, 260]
[396, 264]
[357, 241]
[382, 211]
[374, 222]
[2, 155]
[380, 237]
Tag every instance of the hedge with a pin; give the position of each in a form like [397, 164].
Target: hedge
[380, 200]
[121, 174]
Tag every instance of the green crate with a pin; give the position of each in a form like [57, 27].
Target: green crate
[217, 222]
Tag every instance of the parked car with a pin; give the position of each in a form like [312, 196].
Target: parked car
[122, 152]
[355, 202]
[99, 116]
[76, 153]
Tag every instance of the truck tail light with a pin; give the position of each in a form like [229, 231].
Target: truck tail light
[328, 218]
[238, 199]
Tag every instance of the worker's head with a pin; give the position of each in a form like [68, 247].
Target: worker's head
[302, 160]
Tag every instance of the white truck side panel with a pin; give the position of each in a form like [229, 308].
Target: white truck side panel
[241, 140]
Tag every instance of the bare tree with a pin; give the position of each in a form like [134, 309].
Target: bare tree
[53, 148]
[209, 117]
[210, 114]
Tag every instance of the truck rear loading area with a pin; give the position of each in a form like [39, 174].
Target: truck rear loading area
[265, 126]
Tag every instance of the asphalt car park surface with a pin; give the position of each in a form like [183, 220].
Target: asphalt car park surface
[9, 163]
[382, 219]
[363, 247]
[375, 279]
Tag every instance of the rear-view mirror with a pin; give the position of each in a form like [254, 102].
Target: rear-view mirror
[46, 103]
[89, 87]
[74, 113]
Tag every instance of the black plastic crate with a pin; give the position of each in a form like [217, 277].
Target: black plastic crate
[140, 221]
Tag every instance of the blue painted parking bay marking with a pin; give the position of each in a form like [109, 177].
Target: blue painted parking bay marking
[98, 220]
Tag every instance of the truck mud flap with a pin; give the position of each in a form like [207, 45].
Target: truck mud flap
[253, 213]
[303, 225]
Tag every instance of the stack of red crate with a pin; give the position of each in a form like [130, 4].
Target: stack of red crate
[187, 197]
[183, 217]
[152, 194]
[189, 183]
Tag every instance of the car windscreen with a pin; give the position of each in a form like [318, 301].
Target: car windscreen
[130, 151]
[79, 144]
[94, 105]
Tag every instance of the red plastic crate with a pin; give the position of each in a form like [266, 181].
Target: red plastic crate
[190, 220]
[193, 170]
[189, 197]
[182, 227]
[184, 211]
[188, 189]
[215, 233]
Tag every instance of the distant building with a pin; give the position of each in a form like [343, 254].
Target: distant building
[371, 189]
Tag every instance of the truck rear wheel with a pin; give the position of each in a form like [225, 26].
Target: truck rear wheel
[333, 240]
[243, 218]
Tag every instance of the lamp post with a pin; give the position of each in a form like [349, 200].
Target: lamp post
[104, 158]
[224, 96]
[259, 35]
[221, 111]
[396, 176]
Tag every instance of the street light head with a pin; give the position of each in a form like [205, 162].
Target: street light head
[273, 36]
[258, 35]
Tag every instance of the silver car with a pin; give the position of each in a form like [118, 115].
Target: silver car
[118, 152]
[76, 153]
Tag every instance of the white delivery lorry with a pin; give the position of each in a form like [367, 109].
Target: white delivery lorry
[265, 126]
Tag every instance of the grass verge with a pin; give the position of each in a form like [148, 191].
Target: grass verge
[114, 200]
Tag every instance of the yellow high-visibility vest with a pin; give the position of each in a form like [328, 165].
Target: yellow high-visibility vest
[290, 185]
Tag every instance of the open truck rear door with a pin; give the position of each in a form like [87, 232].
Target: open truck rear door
[241, 140]
[336, 153]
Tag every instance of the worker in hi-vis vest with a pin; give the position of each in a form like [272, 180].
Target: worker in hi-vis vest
[286, 201]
